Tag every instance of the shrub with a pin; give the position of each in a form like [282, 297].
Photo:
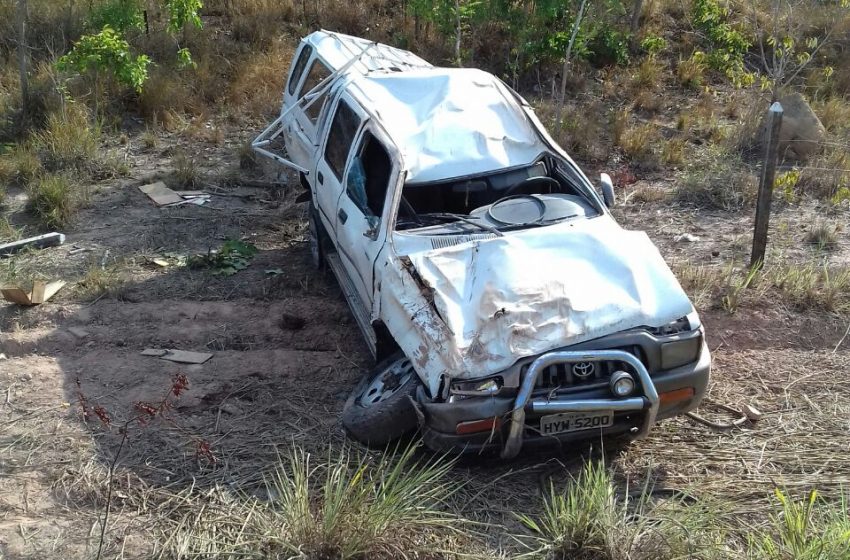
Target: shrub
[185, 170]
[19, 166]
[54, 200]
[648, 73]
[691, 72]
[673, 151]
[68, 141]
[638, 143]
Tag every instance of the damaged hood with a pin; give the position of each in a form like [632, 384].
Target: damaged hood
[504, 298]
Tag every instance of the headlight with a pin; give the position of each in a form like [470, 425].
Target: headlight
[680, 352]
[478, 388]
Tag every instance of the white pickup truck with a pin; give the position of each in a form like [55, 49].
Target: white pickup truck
[504, 305]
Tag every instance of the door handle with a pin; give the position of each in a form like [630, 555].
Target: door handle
[320, 178]
[342, 215]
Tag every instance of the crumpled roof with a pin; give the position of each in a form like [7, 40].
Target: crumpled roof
[451, 122]
[447, 122]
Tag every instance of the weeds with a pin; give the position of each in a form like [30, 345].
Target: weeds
[185, 170]
[808, 529]
[100, 281]
[823, 236]
[343, 507]
[591, 520]
[233, 256]
[54, 200]
[68, 141]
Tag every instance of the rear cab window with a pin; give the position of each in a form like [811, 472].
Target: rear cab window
[298, 68]
[318, 72]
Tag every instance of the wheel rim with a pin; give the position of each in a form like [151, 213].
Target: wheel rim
[314, 242]
[386, 383]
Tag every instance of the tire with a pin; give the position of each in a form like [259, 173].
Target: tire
[317, 238]
[377, 413]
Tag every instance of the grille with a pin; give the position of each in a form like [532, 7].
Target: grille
[451, 240]
[582, 374]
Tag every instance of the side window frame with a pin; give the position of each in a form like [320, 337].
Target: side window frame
[361, 120]
[357, 150]
[297, 72]
[317, 105]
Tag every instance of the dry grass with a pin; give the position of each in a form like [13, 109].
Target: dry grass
[717, 179]
[810, 286]
[823, 235]
[19, 166]
[834, 114]
[257, 85]
[102, 279]
[648, 74]
[638, 143]
[827, 177]
[186, 171]
[344, 507]
[578, 129]
[691, 73]
[55, 199]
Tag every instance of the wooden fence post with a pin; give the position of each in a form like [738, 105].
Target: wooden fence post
[768, 175]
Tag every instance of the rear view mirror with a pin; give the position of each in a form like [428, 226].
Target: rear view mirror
[607, 190]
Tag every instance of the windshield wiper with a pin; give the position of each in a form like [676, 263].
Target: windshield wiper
[465, 219]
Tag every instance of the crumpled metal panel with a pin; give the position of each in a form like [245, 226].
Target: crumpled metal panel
[451, 122]
[473, 309]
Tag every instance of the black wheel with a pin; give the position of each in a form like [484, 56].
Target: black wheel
[317, 238]
[380, 408]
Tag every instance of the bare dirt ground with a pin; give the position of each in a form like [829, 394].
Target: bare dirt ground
[286, 353]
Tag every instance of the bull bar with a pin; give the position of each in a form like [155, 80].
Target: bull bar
[648, 402]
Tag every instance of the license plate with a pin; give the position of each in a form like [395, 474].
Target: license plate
[575, 421]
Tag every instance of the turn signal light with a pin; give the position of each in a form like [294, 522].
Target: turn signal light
[478, 426]
[676, 396]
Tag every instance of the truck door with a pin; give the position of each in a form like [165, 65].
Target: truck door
[344, 126]
[364, 208]
[301, 129]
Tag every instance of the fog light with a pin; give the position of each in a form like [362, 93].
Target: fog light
[622, 384]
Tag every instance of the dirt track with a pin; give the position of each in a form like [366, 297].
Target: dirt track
[286, 352]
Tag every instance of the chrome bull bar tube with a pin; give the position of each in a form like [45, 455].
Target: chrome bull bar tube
[649, 400]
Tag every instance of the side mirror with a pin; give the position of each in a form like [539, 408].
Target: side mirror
[607, 190]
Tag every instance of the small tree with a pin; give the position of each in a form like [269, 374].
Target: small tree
[792, 42]
[108, 51]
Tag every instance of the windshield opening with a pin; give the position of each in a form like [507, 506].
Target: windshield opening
[535, 195]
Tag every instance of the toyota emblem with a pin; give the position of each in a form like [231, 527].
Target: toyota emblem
[583, 369]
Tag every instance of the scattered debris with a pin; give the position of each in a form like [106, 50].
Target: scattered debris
[179, 356]
[166, 260]
[274, 271]
[186, 357]
[78, 250]
[41, 292]
[39, 242]
[160, 194]
[164, 197]
[688, 237]
[747, 414]
[230, 259]
[78, 332]
[3, 357]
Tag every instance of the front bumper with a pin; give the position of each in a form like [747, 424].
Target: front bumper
[515, 415]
